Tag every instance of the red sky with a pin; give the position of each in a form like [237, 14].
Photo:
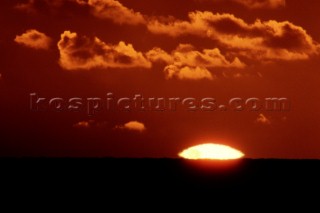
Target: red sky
[180, 48]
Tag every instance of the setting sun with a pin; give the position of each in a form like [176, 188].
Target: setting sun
[211, 151]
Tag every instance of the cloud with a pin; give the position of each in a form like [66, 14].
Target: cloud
[258, 4]
[34, 39]
[262, 119]
[133, 126]
[259, 41]
[84, 124]
[159, 55]
[90, 124]
[185, 54]
[80, 52]
[104, 9]
[185, 62]
[114, 10]
[26, 7]
[187, 73]
[34, 6]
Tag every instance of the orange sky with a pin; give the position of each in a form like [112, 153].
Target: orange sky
[180, 48]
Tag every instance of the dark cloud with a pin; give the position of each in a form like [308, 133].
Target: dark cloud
[261, 40]
[113, 10]
[261, 4]
[264, 41]
[80, 52]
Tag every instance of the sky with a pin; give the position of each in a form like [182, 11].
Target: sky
[70, 51]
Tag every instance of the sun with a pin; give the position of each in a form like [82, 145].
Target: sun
[211, 151]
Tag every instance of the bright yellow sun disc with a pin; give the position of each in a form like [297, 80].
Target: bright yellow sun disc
[211, 151]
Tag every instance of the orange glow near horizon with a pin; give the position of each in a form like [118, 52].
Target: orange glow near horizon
[211, 151]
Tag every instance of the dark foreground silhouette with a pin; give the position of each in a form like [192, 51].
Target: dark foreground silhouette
[171, 176]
